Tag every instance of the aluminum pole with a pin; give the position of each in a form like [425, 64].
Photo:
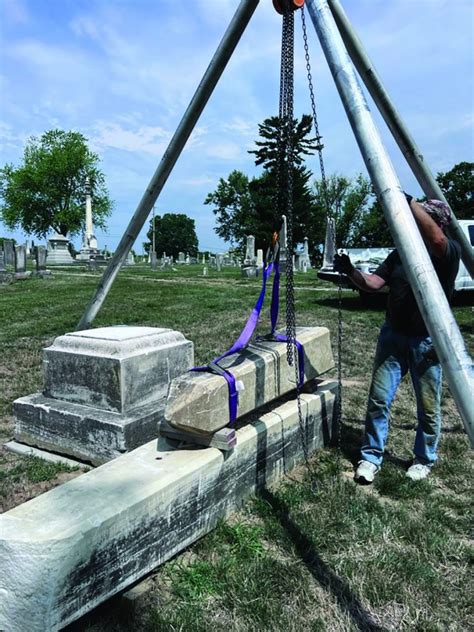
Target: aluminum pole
[396, 125]
[428, 293]
[222, 55]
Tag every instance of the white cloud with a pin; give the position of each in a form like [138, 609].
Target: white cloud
[149, 139]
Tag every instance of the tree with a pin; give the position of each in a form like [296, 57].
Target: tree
[458, 187]
[246, 206]
[47, 191]
[174, 233]
[356, 223]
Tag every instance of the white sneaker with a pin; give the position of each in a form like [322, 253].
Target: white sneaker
[418, 471]
[366, 472]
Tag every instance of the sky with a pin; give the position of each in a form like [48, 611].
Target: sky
[122, 72]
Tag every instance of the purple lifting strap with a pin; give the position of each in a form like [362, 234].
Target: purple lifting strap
[241, 342]
[247, 333]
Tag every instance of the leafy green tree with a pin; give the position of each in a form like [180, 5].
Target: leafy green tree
[348, 201]
[458, 187]
[47, 191]
[246, 206]
[174, 233]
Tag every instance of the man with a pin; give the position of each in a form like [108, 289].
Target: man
[404, 345]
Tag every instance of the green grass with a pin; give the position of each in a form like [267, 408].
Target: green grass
[395, 556]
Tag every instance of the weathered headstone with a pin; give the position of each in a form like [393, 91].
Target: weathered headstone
[9, 250]
[198, 402]
[250, 259]
[40, 261]
[249, 268]
[5, 276]
[20, 262]
[181, 257]
[219, 261]
[259, 258]
[205, 271]
[329, 248]
[153, 261]
[104, 391]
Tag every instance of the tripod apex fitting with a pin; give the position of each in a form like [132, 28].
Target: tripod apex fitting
[284, 6]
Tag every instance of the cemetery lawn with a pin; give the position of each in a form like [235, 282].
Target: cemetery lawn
[393, 556]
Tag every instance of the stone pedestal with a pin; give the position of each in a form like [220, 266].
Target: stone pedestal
[58, 251]
[104, 391]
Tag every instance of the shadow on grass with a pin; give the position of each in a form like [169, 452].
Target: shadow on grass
[321, 572]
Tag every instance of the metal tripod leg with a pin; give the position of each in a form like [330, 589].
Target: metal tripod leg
[399, 130]
[426, 287]
[211, 76]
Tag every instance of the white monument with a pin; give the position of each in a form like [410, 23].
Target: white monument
[58, 251]
[89, 250]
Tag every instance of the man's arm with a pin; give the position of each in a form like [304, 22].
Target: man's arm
[365, 281]
[434, 238]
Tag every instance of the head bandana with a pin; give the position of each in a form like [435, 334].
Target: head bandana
[439, 212]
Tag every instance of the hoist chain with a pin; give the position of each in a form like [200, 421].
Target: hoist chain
[324, 187]
[286, 123]
[285, 197]
[315, 116]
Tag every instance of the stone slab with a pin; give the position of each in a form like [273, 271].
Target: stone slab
[51, 457]
[75, 546]
[115, 368]
[198, 402]
[85, 433]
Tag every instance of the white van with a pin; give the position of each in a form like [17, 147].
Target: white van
[463, 280]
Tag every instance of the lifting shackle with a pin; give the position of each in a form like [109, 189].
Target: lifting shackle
[282, 6]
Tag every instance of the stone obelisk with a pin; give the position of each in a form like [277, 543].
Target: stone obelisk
[89, 250]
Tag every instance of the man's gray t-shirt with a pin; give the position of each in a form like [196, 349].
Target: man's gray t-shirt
[402, 311]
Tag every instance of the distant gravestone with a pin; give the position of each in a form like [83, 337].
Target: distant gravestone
[260, 258]
[20, 262]
[9, 252]
[5, 277]
[205, 271]
[250, 251]
[219, 261]
[329, 248]
[181, 257]
[153, 261]
[40, 260]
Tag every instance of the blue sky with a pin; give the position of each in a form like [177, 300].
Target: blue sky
[122, 73]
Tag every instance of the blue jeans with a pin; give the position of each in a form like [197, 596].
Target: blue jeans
[395, 355]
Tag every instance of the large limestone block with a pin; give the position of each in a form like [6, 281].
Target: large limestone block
[89, 434]
[199, 402]
[115, 368]
[68, 550]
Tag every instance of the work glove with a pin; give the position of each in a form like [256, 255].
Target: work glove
[342, 263]
[408, 197]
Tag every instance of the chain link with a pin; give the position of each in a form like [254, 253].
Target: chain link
[285, 197]
[329, 214]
